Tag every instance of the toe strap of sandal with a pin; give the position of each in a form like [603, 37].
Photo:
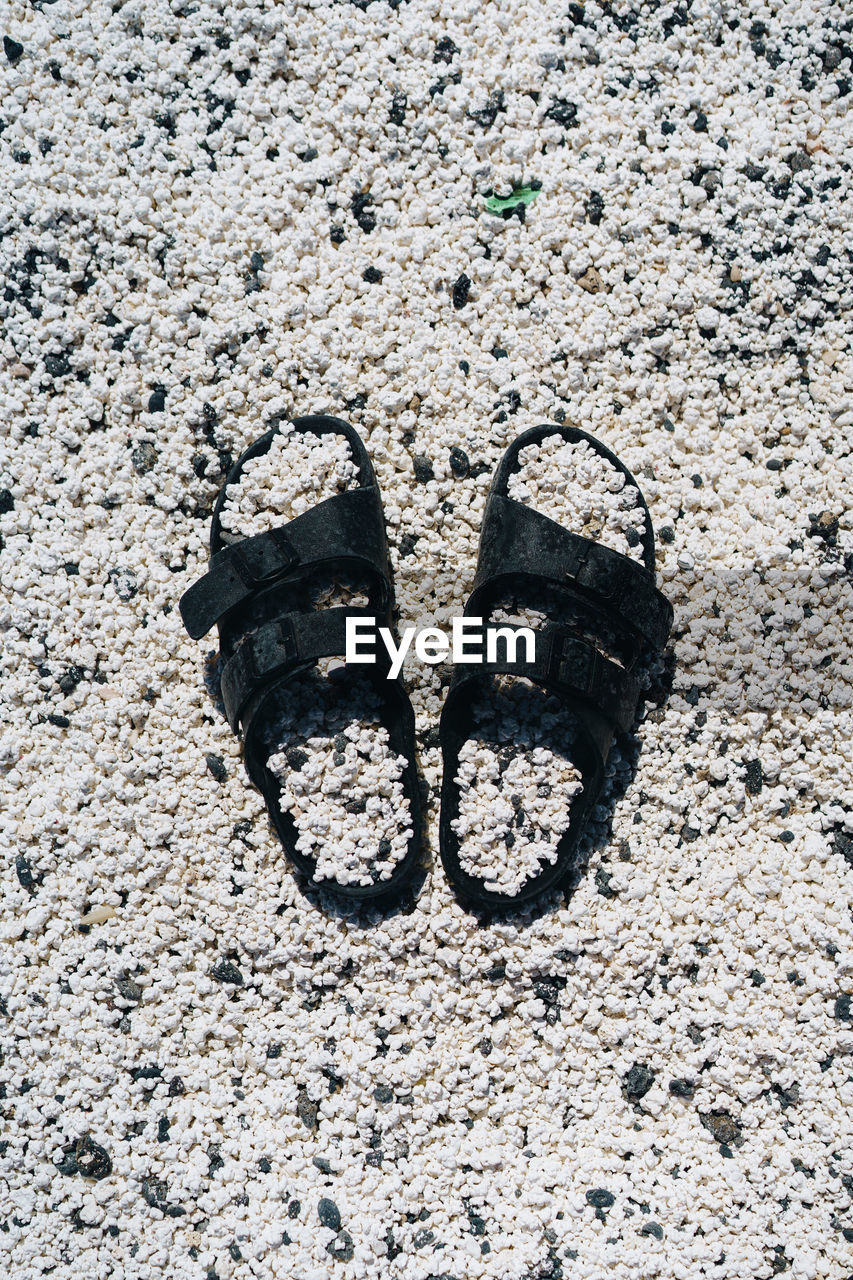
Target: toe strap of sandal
[565, 664]
[520, 542]
[279, 649]
[346, 530]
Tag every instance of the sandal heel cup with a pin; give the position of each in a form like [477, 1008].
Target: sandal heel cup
[248, 594]
[521, 552]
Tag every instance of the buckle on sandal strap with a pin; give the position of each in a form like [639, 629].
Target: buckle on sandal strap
[272, 646]
[262, 561]
[575, 665]
[577, 556]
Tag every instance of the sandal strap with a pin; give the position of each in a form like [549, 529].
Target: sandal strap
[278, 649]
[520, 541]
[566, 665]
[345, 529]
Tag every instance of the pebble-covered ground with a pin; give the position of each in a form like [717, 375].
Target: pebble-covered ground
[216, 213]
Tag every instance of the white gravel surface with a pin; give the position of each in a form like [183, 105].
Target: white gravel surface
[214, 214]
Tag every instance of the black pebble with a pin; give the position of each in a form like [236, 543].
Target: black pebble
[563, 112]
[7, 502]
[632, 537]
[264, 1165]
[602, 883]
[337, 235]
[296, 758]
[397, 114]
[157, 400]
[754, 777]
[57, 366]
[225, 971]
[382, 1093]
[24, 871]
[340, 742]
[86, 1158]
[329, 1214]
[146, 1073]
[423, 469]
[176, 1087]
[595, 208]
[12, 49]
[681, 1088]
[384, 848]
[362, 211]
[638, 1081]
[460, 291]
[843, 1009]
[724, 1127]
[371, 275]
[499, 353]
[460, 463]
[444, 50]
[144, 457]
[700, 124]
[306, 1109]
[216, 767]
[70, 679]
[128, 989]
[652, 1229]
[599, 1198]
[294, 1209]
[256, 262]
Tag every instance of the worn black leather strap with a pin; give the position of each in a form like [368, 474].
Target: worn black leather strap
[563, 663]
[279, 648]
[519, 541]
[345, 530]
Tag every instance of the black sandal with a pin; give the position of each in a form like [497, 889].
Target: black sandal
[521, 552]
[266, 643]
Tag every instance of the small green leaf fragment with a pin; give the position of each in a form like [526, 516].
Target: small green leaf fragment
[519, 195]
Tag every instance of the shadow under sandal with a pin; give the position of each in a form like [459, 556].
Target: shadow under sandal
[279, 657]
[597, 619]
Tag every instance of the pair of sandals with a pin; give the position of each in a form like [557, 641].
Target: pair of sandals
[248, 592]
